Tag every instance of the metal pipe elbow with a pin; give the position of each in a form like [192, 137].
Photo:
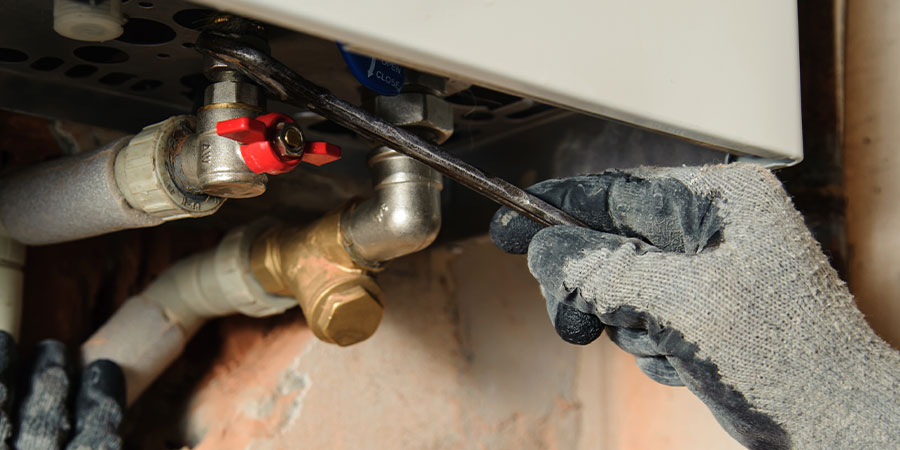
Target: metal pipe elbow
[403, 217]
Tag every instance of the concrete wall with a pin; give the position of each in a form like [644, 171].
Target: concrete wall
[465, 358]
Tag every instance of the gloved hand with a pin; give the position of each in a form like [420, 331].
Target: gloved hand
[43, 420]
[710, 277]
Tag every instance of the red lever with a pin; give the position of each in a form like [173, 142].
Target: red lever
[319, 153]
[259, 152]
[243, 129]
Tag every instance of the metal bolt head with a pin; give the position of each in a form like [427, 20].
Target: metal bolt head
[289, 140]
[292, 137]
[428, 114]
[349, 316]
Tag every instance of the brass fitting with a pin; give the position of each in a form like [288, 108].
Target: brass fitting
[341, 301]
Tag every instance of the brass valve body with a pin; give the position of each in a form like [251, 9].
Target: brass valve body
[341, 301]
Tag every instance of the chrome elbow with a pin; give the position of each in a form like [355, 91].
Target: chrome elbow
[403, 217]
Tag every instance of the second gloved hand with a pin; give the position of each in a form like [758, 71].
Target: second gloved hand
[36, 416]
[710, 277]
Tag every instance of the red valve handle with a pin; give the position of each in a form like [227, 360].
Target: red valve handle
[320, 153]
[256, 135]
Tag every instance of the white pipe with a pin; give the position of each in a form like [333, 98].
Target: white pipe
[12, 261]
[142, 340]
[151, 329]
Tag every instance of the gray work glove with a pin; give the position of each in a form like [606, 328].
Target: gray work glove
[711, 279]
[43, 420]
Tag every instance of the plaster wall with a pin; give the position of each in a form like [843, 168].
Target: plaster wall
[465, 358]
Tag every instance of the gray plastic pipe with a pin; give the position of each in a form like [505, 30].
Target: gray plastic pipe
[68, 198]
[403, 217]
[151, 329]
[123, 185]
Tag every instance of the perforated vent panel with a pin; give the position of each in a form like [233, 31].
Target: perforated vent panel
[152, 72]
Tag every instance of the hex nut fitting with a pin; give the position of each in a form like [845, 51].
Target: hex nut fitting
[348, 314]
[428, 114]
[288, 140]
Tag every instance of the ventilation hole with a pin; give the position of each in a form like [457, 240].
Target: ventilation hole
[115, 78]
[195, 81]
[478, 116]
[146, 32]
[81, 71]
[536, 109]
[12, 55]
[194, 19]
[101, 55]
[145, 4]
[146, 85]
[188, 45]
[329, 127]
[47, 64]
[163, 55]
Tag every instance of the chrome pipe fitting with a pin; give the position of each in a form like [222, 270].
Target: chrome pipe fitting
[403, 217]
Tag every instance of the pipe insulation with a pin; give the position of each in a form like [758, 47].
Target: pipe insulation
[151, 329]
[68, 198]
[126, 184]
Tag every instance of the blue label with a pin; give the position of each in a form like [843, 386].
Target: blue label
[383, 77]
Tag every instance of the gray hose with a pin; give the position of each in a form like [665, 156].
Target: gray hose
[67, 199]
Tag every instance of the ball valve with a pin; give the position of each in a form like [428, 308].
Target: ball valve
[273, 144]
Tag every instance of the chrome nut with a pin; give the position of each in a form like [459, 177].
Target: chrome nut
[347, 316]
[233, 92]
[288, 140]
[424, 112]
